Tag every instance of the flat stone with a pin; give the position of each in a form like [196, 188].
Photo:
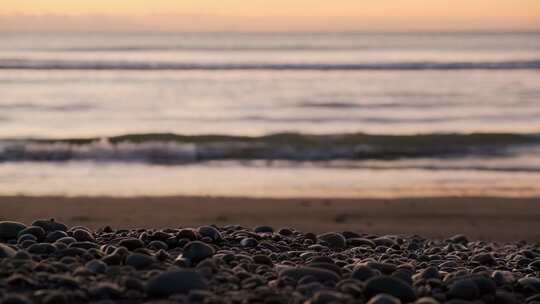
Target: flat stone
[50, 225]
[209, 231]
[139, 260]
[384, 299]
[173, 282]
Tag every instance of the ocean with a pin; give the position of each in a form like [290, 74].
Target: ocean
[270, 114]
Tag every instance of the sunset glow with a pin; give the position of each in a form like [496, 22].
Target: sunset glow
[278, 15]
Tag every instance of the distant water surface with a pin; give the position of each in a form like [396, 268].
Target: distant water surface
[90, 87]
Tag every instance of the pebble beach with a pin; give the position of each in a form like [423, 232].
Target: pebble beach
[46, 261]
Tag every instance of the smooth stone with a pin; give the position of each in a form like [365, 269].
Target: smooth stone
[484, 259]
[197, 251]
[6, 251]
[96, 266]
[530, 283]
[82, 235]
[385, 241]
[465, 289]
[357, 242]
[53, 236]
[392, 286]
[333, 240]
[384, 299]
[41, 248]
[319, 274]
[50, 225]
[10, 230]
[249, 242]
[131, 243]
[177, 281]
[363, 273]
[139, 261]
[36, 231]
[262, 259]
[211, 232]
[459, 239]
[426, 300]
[263, 229]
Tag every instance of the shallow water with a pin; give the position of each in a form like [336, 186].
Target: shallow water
[99, 85]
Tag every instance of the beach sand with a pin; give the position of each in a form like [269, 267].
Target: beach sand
[496, 219]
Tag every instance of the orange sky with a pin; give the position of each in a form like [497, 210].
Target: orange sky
[269, 15]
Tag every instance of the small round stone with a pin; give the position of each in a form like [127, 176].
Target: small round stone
[36, 231]
[319, 274]
[82, 235]
[391, 286]
[139, 261]
[50, 225]
[6, 251]
[10, 230]
[177, 281]
[210, 232]
[465, 289]
[197, 251]
[333, 240]
[263, 229]
[384, 299]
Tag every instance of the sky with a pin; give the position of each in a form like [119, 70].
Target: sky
[269, 15]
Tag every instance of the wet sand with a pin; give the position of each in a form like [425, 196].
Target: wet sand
[496, 219]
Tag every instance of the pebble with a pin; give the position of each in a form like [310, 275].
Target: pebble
[465, 289]
[333, 240]
[6, 251]
[297, 273]
[177, 281]
[49, 263]
[139, 261]
[10, 230]
[391, 286]
[211, 232]
[197, 251]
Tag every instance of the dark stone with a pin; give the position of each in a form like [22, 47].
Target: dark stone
[177, 281]
[10, 230]
[211, 232]
[139, 261]
[465, 289]
[263, 229]
[50, 225]
[321, 275]
[391, 286]
[384, 299]
[6, 251]
[363, 273]
[333, 240]
[131, 243]
[36, 231]
[82, 235]
[197, 251]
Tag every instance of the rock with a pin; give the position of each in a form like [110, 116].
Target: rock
[384, 299]
[6, 251]
[465, 289]
[426, 300]
[484, 259]
[139, 261]
[10, 230]
[326, 296]
[321, 275]
[391, 286]
[530, 284]
[385, 241]
[96, 266]
[363, 273]
[41, 248]
[131, 243]
[53, 236]
[36, 231]
[50, 225]
[249, 242]
[177, 281]
[333, 240]
[459, 239]
[82, 235]
[209, 231]
[263, 229]
[197, 251]
[262, 259]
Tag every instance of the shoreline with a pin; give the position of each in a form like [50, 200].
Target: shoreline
[480, 218]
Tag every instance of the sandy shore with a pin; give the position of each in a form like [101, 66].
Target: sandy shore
[499, 219]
